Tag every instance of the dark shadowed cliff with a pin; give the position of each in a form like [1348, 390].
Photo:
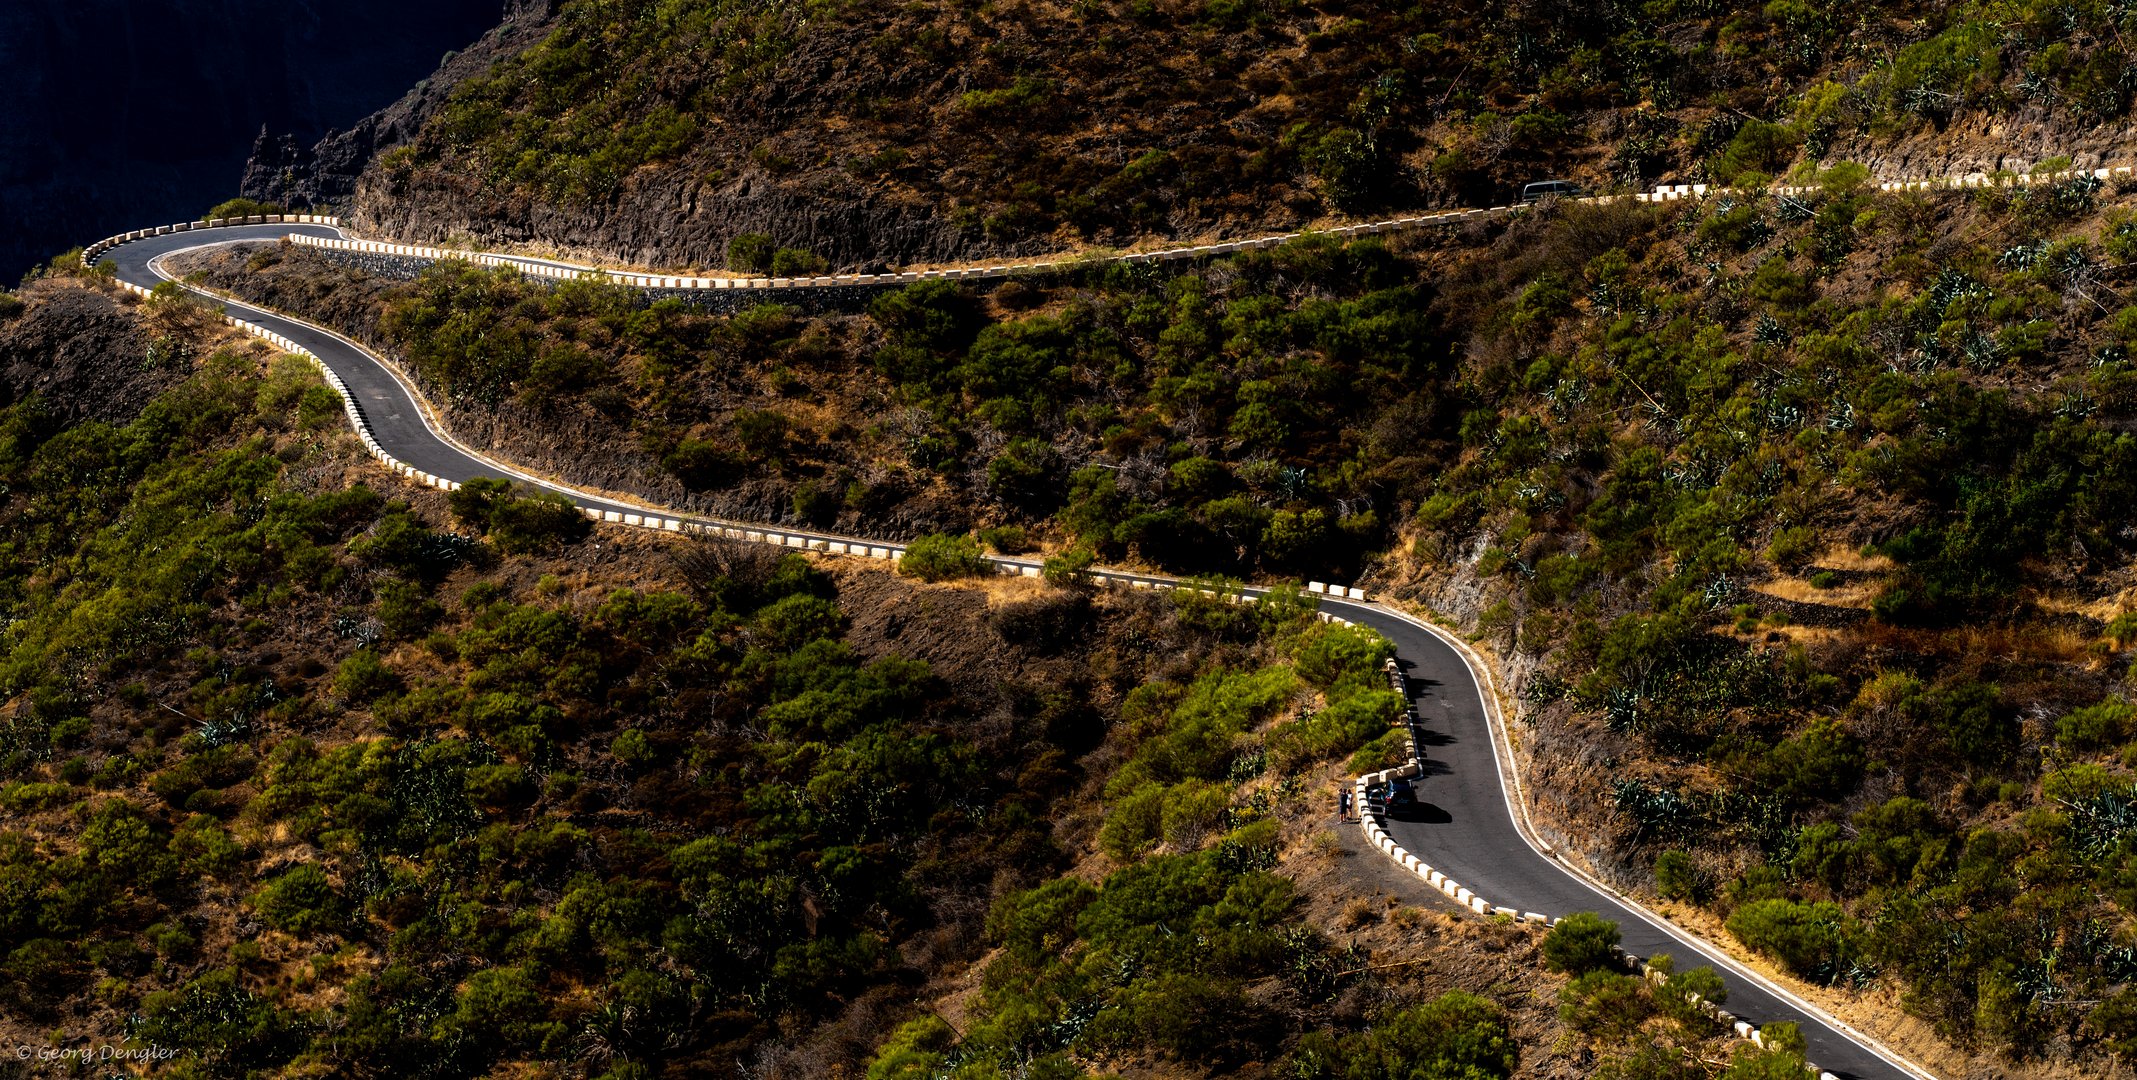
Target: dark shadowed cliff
[128, 112]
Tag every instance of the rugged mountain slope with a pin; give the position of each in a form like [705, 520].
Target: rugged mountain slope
[1798, 521]
[303, 771]
[872, 132]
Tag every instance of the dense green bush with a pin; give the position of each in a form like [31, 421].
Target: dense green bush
[302, 900]
[1453, 1035]
[363, 677]
[1581, 942]
[517, 523]
[750, 253]
[794, 262]
[237, 208]
[1607, 1006]
[2096, 727]
[1677, 877]
[1810, 938]
[1069, 569]
[939, 557]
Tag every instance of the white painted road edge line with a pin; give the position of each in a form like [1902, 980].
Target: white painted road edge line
[1378, 837]
[552, 268]
[1510, 779]
[1517, 809]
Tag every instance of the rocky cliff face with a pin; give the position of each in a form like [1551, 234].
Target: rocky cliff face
[286, 168]
[130, 112]
[678, 219]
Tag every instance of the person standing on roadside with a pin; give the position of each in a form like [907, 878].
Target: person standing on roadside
[1343, 802]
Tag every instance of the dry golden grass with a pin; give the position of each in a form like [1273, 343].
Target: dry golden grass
[1876, 1013]
[1842, 557]
[1978, 644]
[1851, 594]
[2102, 608]
[1806, 636]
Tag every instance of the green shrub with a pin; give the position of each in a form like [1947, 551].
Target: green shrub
[1739, 228]
[1346, 724]
[1454, 1035]
[364, 678]
[1328, 654]
[1684, 995]
[1809, 938]
[1822, 762]
[1025, 475]
[319, 407]
[1191, 810]
[502, 1009]
[1041, 922]
[942, 557]
[214, 1015]
[817, 503]
[518, 523]
[1391, 749]
[1134, 823]
[10, 305]
[1758, 147]
[21, 796]
[631, 747]
[216, 767]
[2122, 630]
[701, 464]
[302, 901]
[763, 432]
[240, 207]
[1677, 877]
[1006, 539]
[1013, 102]
[1792, 548]
[1581, 942]
[751, 253]
[1936, 76]
[791, 622]
[1347, 164]
[2096, 727]
[1070, 568]
[405, 609]
[1844, 178]
[1607, 1006]
[915, 1051]
[794, 262]
[1780, 1059]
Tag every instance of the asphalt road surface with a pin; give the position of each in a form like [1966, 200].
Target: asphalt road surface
[1463, 823]
[388, 405]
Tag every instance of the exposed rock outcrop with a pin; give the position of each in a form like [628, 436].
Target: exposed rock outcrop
[283, 169]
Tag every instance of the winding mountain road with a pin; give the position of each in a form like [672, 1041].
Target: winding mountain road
[1468, 822]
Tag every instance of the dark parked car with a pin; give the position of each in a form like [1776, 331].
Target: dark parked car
[1394, 795]
[1544, 189]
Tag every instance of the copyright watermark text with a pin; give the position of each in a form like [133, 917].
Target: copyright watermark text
[105, 1052]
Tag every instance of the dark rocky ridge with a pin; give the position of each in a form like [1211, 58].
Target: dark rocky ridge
[675, 219]
[284, 169]
[123, 113]
[667, 217]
